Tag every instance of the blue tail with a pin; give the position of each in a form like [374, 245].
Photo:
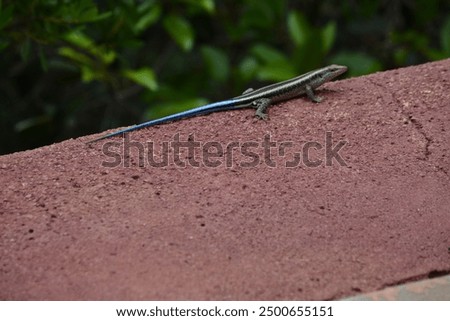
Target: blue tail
[202, 110]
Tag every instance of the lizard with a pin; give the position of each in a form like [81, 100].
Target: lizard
[260, 98]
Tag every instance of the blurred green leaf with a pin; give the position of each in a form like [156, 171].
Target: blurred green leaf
[173, 107]
[328, 36]
[298, 28]
[357, 63]
[258, 16]
[84, 62]
[99, 17]
[400, 56]
[275, 66]
[410, 38]
[25, 48]
[31, 122]
[276, 72]
[217, 63]
[3, 44]
[248, 68]
[88, 74]
[445, 36]
[144, 76]
[75, 55]
[5, 16]
[80, 40]
[81, 11]
[436, 54]
[206, 5]
[181, 31]
[107, 56]
[267, 54]
[151, 15]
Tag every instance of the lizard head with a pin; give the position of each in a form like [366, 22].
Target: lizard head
[322, 75]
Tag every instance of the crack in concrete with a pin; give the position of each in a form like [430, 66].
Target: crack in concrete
[411, 120]
[420, 129]
[418, 126]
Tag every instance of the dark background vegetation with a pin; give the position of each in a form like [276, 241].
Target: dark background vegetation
[71, 68]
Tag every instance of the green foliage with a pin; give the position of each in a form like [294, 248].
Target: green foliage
[445, 38]
[180, 30]
[217, 63]
[358, 63]
[6, 15]
[72, 67]
[143, 76]
[92, 59]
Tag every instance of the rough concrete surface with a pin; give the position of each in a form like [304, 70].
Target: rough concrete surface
[73, 228]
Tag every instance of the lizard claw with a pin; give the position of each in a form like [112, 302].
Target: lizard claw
[317, 99]
[262, 116]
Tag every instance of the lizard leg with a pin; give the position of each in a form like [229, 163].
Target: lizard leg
[261, 106]
[247, 91]
[310, 94]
